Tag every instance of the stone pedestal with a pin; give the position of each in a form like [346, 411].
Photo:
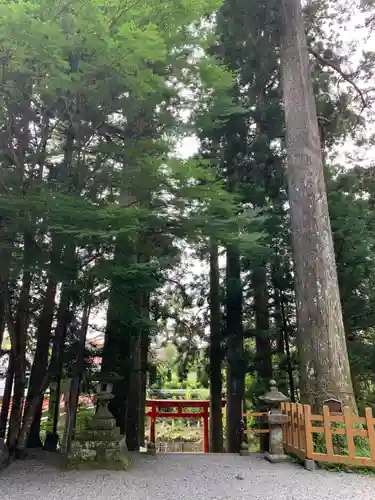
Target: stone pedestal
[275, 420]
[151, 448]
[276, 454]
[97, 449]
[243, 445]
[101, 445]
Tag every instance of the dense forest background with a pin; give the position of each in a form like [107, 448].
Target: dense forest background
[101, 217]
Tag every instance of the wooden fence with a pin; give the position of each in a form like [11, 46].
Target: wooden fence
[334, 438]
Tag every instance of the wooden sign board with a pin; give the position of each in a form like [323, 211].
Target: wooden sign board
[334, 405]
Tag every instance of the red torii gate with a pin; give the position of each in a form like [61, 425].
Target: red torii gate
[181, 405]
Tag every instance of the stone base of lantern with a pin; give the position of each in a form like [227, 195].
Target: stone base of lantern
[151, 448]
[277, 459]
[99, 449]
[244, 450]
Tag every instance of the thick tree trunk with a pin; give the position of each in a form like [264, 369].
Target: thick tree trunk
[117, 347]
[324, 364]
[34, 440]
[134, 395]
[235, 361]
[262, 325]
[120, 331]
[215, 350]
[137, 388]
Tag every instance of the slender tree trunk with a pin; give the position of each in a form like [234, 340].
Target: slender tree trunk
[262, 341]
[18, 333]
[64, 316]
[145, 344]
[2, 312]
[55, 366]
[5, 258]
[78, 374]
[7, 397]
[324, 363]
[235, 361]
[287, 351]
[262, 325]
[134, 406]
[281, 370]
[215, 350]
[40, 363]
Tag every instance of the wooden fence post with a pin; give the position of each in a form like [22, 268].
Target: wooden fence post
[308, 432]
[349, 432]
[328, 430]
[371, 432]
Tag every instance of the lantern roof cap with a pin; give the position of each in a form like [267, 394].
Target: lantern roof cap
[274, 396]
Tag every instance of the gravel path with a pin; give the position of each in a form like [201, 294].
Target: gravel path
[184, 477]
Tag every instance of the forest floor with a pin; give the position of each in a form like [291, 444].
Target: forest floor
[184, 477]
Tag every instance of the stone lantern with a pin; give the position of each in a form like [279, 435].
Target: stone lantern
[275, 419]
[101, 445]
[103, 418]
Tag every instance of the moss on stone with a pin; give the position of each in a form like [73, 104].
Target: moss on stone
[99, 454]
[99, 435]
[122, 462]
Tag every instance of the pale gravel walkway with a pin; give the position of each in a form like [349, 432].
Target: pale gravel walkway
[184, 477]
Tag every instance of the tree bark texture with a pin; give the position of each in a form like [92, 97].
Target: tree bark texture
[117, 356]
[33, 438]
[143, 382]
[134, 395]
[2, 312]
[7, 396]
[40, 363]
[63, 319]
[324, 363]
[145, 343]
[235, 362]
[215, 353]
[262, 325]
[121, 353]
[18, 334]
[78, 373]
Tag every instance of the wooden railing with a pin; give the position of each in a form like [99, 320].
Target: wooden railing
[315, 437]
